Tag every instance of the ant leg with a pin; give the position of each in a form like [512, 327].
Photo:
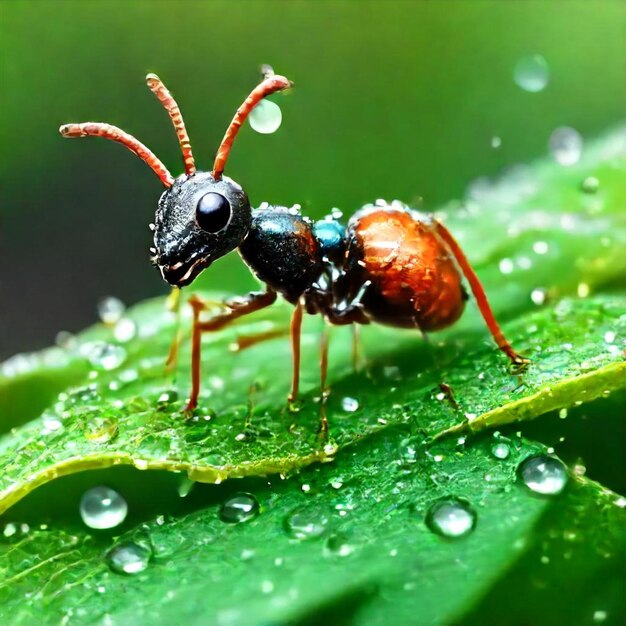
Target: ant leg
[243, 342]
[173, 305]
[323, 432]
[235, 308]
[355, 347]
[296, 328]
[480, 295]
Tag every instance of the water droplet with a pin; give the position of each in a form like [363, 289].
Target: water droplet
[167, 397]
[104, 356]
[451, 517]
[543, 474]
[9, 530]
[51, 423]
[100, 430]
[532, 73]
[496, 142]
[583, 290]
[128, 558]
[599, 616]
[266, 117]
[338, 545]
[185, 486]
[591, 184]
[66, 340]
[538, 296]
[500, 450]
[506, 266]
[102, 507]
[239, 508]
[306, 523]
[349, 404]
[125, 330]
[110, 310]
[566, 145]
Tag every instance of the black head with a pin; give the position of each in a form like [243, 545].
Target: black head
[198, 220]
[202, 215]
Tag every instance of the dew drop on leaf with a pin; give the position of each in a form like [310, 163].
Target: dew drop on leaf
[306, 523]
[102, 507]
[538, 296]
[110, 310]
[125, 330]
[500, 450]
[100, 430]
[543, 474]
[239, 508]
[350, 405]
[566, 145]
[266, 117]
[104, 356]
[338, 545]
[128, 558]
[451, 517]
[590, 185]
[532, 73]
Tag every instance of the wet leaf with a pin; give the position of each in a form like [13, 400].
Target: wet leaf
[361, 498]
[134, 415]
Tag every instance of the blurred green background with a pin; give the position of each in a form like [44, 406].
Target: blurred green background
[392, 99]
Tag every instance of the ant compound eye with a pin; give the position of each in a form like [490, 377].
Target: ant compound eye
[213, 212]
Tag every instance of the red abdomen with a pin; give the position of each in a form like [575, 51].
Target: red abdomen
[414, 279]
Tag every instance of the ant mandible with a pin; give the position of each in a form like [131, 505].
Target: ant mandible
[389, 264]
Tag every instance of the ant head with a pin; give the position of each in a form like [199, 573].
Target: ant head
[202, 215]
[199, 219]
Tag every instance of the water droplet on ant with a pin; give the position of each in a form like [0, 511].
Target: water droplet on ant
[532, 73]
[266, 117]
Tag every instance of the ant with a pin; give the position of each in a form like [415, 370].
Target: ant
[390, 264]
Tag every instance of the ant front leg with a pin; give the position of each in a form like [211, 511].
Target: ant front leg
[480, 295]
[235, 308]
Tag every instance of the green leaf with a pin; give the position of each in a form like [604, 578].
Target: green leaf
[132, 415]
[109, 402]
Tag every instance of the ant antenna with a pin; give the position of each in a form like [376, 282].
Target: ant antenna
[99, 129]
[271, 84]
[165, 98]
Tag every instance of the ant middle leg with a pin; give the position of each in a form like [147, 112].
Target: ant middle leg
[235, 308]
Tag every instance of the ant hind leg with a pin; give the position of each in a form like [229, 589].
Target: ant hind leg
[480, 295]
